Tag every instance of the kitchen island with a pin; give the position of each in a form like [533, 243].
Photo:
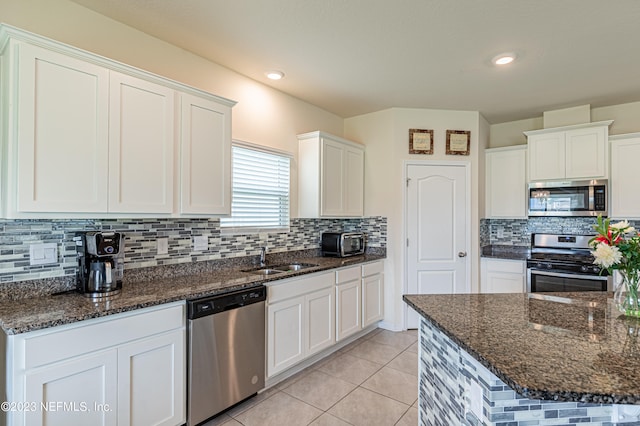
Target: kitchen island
[516, 359]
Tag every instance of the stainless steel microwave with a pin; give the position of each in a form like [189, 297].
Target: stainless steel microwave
[568, 198]
[342, 244]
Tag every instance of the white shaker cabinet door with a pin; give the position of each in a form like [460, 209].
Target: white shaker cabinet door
[62, 133]
[546, 156]
[354, 182]
[372, 299]
[333, 179]
[348, 309]
[586, 153]
[151, 381]
[141, 146]
[86, 384]
[205, 160]
[625, 197]
[285, 331]
[320, 320]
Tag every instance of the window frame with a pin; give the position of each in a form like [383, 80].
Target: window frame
[235, 229]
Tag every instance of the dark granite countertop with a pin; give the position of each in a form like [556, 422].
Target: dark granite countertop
[505, 252]
[34, 313]
[552, 346]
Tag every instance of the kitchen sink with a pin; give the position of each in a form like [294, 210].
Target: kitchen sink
[292, 267]
[264, 271]
[280, 269]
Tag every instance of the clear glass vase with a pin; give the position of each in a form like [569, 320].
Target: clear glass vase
[626, 294]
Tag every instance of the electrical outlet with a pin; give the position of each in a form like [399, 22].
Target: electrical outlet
[163, 245]
[200, 243]
[42, 254]
[500, 232]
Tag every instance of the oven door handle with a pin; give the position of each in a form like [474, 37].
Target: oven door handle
[574, 276]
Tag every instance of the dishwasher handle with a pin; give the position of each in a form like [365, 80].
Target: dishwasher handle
[211, 305]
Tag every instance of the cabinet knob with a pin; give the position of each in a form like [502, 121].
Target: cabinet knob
[462, 254]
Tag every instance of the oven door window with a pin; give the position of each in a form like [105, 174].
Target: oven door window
[569, 199]
[549, 282]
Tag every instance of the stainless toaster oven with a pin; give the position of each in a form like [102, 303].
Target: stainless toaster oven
[342, 244]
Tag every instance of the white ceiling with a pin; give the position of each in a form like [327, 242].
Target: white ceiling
[352, 57]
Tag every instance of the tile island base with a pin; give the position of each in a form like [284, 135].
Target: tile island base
[448, 376]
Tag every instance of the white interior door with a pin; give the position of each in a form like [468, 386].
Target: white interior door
[437, 230]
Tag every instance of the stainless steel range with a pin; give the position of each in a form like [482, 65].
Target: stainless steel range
[563, 263]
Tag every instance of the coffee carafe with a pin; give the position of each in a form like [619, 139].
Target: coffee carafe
[100, 263]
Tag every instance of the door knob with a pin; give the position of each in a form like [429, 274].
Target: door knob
[462, 254]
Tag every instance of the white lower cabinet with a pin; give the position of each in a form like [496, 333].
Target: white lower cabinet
[502, 276]
[372, 293]
[151, 380]
[300, 319]
[81, 391]
[308, 314]
[348, 303]
[125, 369]
[359, 298]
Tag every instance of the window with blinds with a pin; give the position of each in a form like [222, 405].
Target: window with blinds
[260, 190]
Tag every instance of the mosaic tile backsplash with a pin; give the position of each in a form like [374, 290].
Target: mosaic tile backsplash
[141, 247]
[517, 232]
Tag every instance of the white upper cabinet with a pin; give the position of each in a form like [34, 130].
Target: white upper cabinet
[141, 144]
[573, 152]
[625, 197]
[83, 135]
[60, 142]
[506, 182]
[331, 176]
[205, 156]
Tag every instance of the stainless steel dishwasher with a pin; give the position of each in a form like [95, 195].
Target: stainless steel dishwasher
[226, 358]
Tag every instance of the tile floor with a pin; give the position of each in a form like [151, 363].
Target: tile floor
[372, 381]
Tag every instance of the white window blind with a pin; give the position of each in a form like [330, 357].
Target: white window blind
[260, 192]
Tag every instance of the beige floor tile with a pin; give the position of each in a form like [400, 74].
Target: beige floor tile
[400, 340]
[291, 380]
[413, 348]
[320, 390]
[350, 368]
[328, 420]
[406, 362]
[410, 418]
[366, 408]
[252, 402]
[280, 409]
[375, 352]
[219, 421]
[395, 384]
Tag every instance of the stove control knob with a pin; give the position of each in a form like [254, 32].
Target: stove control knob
[584, 268]
[548, 265]
[539, 265]
[596, 269]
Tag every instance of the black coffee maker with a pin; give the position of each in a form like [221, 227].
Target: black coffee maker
[100, 263]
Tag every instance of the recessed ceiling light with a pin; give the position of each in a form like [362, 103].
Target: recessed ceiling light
[504, 58]
[275, 75]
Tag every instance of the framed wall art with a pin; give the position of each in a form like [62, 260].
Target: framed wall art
[458, 142]
[420, 141]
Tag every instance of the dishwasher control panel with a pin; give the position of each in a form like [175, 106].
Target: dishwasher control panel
[223, 302]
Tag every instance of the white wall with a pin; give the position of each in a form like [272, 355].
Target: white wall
[386, 136]
[263, 115]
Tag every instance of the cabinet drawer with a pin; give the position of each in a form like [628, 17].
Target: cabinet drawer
[509, 266]
[372, 269]
[348, 274]
[288, 288]
[58, 343]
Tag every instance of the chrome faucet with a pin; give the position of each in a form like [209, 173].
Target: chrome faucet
[263, 257]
